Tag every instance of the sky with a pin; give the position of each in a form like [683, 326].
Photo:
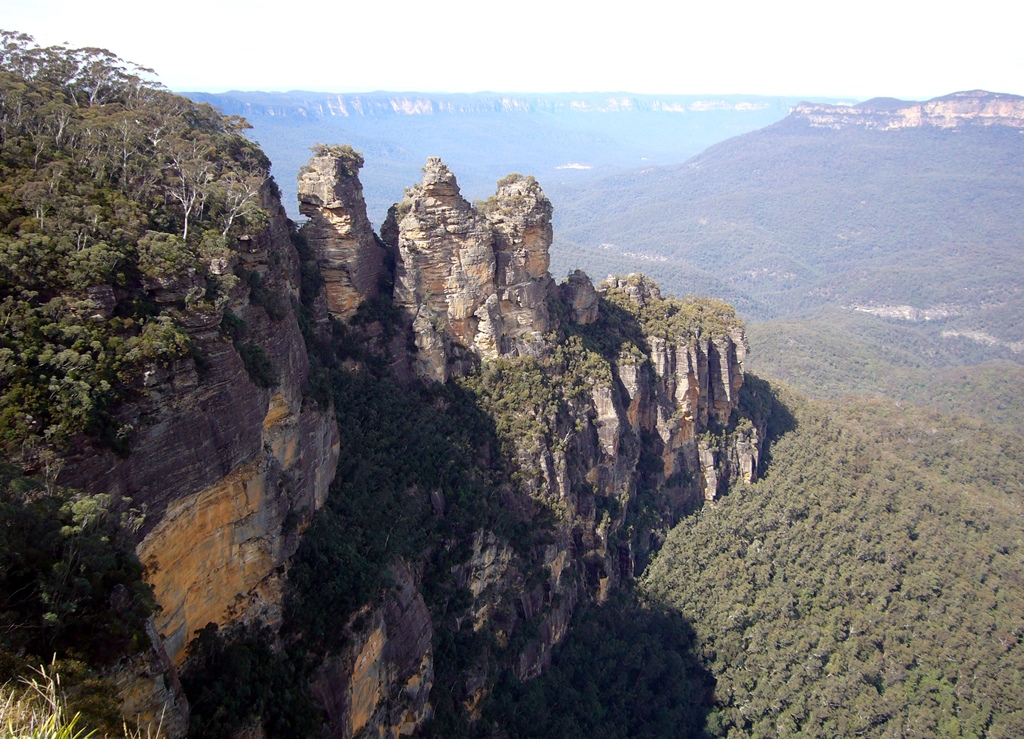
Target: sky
[897, 48]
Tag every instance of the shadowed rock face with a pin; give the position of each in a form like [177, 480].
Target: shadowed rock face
[379, 685]
[470, 281]
[579, 294]
[338, 230]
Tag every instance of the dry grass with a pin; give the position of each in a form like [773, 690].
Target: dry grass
[36, 709]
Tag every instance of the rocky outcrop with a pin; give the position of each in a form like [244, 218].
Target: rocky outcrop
[520, 216]
[627, 441]
[973, 108]
[659, 415]
[578, 293]
[330, 196]
[473, 284]
[695, 387]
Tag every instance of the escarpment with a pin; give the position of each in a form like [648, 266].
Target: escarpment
[971, 108]
[615, 411]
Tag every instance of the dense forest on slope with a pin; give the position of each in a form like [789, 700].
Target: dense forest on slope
[845, 354]
[624, 671]
[869, 584]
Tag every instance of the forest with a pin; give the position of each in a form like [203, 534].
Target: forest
[868, 585]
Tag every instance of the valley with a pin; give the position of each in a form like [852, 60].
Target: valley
[401, 467]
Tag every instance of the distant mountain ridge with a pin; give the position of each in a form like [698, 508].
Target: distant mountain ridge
[327, 105]
[973, 107]
[834, 205]
[560, 138]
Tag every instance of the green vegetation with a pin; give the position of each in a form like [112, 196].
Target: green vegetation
[671, 318]
[71, 580]
[841, 354]
[238, 679]
[869, 584]
[113, 192]
[72, 588]
[623, 671]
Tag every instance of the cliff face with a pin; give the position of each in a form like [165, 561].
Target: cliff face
[380, 685]
[974, 108]
[373, 105]
[228, 472]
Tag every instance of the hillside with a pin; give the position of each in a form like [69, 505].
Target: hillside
[564, 139]
[811, 212]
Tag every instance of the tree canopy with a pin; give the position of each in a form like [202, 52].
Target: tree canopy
[111, 188]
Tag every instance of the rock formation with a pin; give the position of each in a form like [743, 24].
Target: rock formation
[695, 386]
[579, 294]
[471, 282]
[338, 230]
[473, 286]
[231, 471]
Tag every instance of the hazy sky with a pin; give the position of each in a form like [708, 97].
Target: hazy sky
[859, 49]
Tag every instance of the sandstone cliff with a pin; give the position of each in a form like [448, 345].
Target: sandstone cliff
[228, 469]
[973, 108]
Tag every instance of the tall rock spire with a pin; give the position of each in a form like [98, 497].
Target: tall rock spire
[351, 259]
[471, 281]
